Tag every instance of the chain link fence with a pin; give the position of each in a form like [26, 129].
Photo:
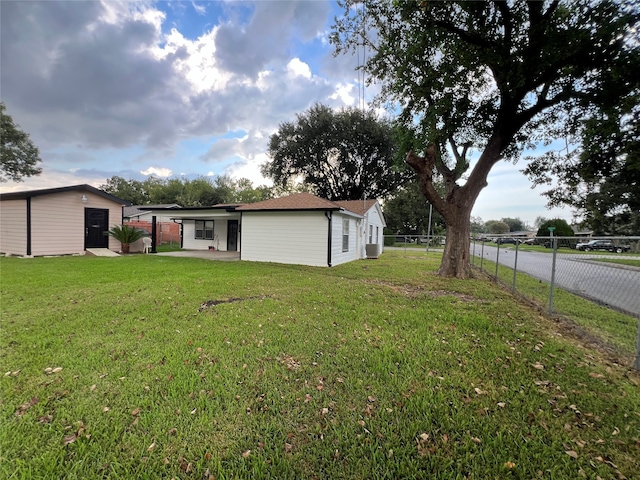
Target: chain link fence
[552, 271]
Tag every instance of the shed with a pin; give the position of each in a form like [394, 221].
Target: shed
[58, 221]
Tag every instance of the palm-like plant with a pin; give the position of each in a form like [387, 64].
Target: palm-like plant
[126, 235]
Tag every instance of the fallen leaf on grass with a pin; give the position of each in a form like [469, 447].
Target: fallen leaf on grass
[509, 465]
[68, 439]
[572, 453]
[184, 466]
[246, 454]
[287, 447]
[538, 366]
[22, 409]
[479, 391]
[151, 447]
[502, 404]
[135, 412]
[45, 419]
[596, 375]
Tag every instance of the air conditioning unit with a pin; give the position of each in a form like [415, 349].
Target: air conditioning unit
[372, 250]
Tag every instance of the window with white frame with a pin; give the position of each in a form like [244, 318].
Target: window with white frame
[377, 234]
[345, 235]
[204, 230]
[370, 233]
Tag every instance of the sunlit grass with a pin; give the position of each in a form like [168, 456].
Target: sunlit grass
[188, 368]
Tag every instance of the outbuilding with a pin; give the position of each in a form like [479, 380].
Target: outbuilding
[58, 221]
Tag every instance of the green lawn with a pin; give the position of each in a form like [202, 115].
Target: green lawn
[162, 367]
[620, 261]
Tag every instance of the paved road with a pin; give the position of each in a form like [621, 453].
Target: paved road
[616, 286]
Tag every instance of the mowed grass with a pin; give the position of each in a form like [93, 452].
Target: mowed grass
[160, 367]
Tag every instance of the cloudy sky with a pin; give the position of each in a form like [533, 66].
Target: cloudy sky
[176, 88]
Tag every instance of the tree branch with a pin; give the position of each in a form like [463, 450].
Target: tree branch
[424, 166]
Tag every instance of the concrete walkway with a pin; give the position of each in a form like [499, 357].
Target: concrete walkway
[207, 255]
[101, 252]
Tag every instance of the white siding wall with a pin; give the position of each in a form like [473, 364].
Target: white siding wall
[57, 222]
[285, 237]
[374, 218]
[337, 255]
[13, 227]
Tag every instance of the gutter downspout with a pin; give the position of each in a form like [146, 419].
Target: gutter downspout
[329, 215]
[28, 226]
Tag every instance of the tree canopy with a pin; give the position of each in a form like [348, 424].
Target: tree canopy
[600, 177]
[19, 157]
[561, 228]
[515, 224]
[496, 226]
[199, 192]
[490, 78]
[346, 154]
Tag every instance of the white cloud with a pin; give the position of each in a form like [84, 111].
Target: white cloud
[157, 171]
[344, 93]
[297, 68]
[199, 8]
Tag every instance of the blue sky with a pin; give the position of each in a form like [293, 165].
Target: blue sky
[182, 88]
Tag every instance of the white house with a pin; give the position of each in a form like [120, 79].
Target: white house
[298, 229]
[58, 221]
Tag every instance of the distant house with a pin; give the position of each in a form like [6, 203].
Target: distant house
[141, 216]
[58, 221]
[145, 212]
[298, 229]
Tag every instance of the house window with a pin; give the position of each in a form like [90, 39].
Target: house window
[370, 233]
[204, 230]
[377, 234]
[345, 235]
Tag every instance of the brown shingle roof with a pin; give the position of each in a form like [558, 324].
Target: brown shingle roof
[357, 206]
[297, 201]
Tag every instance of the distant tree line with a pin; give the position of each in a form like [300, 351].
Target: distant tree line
[199, 192]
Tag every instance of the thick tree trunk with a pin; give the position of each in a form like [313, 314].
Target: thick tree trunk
[455, 260]
[456, 205]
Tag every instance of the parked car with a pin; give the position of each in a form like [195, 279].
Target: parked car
[501, 240]
[606, 245]
[404, 239]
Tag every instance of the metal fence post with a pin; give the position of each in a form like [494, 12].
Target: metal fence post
[473, 251]
[515, 267]
[637, 363]
[554, 244]
[497, 260]
[482, 257]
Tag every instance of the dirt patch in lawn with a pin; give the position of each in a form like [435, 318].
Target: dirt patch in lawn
[414, 291]
[213, 303]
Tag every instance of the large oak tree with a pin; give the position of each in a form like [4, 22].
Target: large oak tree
[493, 78]
[342, 154]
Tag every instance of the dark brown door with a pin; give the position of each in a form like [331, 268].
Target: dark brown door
[232, 235]
[96, 223]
